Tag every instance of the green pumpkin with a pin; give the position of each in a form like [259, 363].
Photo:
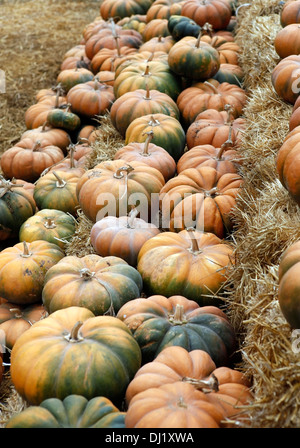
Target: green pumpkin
[16, 206]
[64, 119]
[233, 74]
[50, 225]
[75, 411]
[181, 26]
[159, 322]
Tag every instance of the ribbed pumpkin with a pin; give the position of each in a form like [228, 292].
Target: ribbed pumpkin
[158, 322]
[194, 59]
[167, 133]
[101, 284]
[216, 12]
[233, 74]
[159, 43]
[155, 28]
[23, 268]
[210, 94]
[181, 26]
[57, 190]
[285, 78]
[90, 356]
[28, 159]
[149, 153]
[160, 9]
[200, 198]
[48, 135]
[71, 77]
[154, 74]
[123, 8]
[295, 115]
[36, 115]
[122, 237]
[51, 225]
[91, 98]
[16, 206]
[64, 118]
[290, 12]
[287, 40]
[111, 188]
[191, 264]
[228, 50]
[74, 411]
[15, 319]
[108, 58]
[288, 277]
[137, 103]
[224, 387]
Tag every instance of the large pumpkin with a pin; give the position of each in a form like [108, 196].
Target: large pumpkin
[74, 352]
[227, 388]
[193, 264]
[111, 188]
[101, 284]
[48, 136]
[23, 268]
[158, 322]
[215, 12]
[74, 411]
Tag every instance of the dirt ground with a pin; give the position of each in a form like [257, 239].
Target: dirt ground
[34, 36]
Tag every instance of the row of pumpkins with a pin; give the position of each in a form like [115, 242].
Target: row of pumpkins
[133, 334]
[286, 81]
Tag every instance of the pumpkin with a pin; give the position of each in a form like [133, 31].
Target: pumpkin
[72, 163]
[287, 40]
[108, 58]
[290, 12]
[91, 98]
[149, 153]
[222, 159]
[210, 94]
[295, 115]
[191, 264]
[201, 198]
[288, 289]
[155, 28]
[63, 118]
[134, 22]
[27, 159]
[212, 127]
[233, 74]
[111, 188]
[121, 237]
[15, 319]
[155, 75]
[167, 133]
[142, 57]
[224, 387]
[36, 115]
[158, 43]
[123, 8]
[54, 226]
[181, 26]
[23, 268]
[160, 9]
[72, 62]
[138, 103]
[158, 322]
[285, 78]
[16, 206]
[228, 51]
[192, 58]
[57, 190]
[101, 284]
[74, 411]
[45, 94]
[69, 335]
[48, 136]
[216, 12]
[73, 76]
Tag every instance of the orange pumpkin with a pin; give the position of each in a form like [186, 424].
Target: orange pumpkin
[48, 135]
[285, 78]
[215, 12]
[36, 115]
[155, 28]
[290, 12]
[287, 40]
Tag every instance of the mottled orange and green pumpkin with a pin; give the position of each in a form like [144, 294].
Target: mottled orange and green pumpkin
[101, 284]
[23, 268]
[74, 411]
[123, 8]
[215, 12]
[74, 352]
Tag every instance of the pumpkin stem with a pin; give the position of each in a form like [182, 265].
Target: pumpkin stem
[227, 144]
[6, 185]
[178, 318]
[119, 173]
[209, 84]
[207, 27]
[131, 217]
[49, 223]
[194, 244]
[72, 149]
[146, 72]
[229, 110]
[209, 385]
[153, 122]
[147, 142]
[26, 253]
[37, 145]
[181, 403]
[74, 336]
[60, 182]
[86, 274]
[16, 312]
[147, 96]
[198, 42]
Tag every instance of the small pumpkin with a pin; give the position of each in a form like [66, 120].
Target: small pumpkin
[180, 26]
[155, 28]
[189, 263]
[158, 322]
[36, 115]
[285, 78]
[158, 43]
[160, 9]
[215, 12]
[71, 77]
[48, 135]
[70, 334]
[123, 8]
[122, 237]
[51, 225]
[100, 284]
[74, 411]
[64, 118]
[23, 268]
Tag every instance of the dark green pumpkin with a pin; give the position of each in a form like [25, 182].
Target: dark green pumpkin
[63, 118]
[75, 411]
[233, 74]
[159, 322]
[181, 26]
